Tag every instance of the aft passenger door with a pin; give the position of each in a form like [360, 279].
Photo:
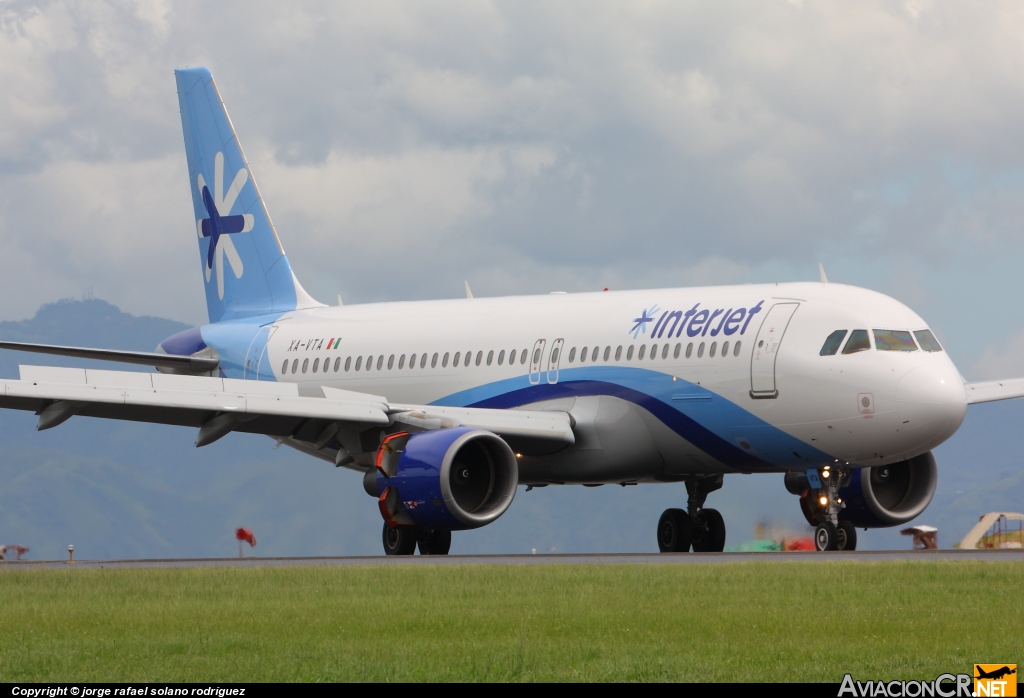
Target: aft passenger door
[257, 353]
[766, 350]
[535, 360]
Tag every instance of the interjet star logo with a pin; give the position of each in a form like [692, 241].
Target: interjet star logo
[641, 322]
[219, 226]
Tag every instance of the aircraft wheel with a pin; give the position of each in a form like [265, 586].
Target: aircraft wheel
[399, 541]
[675, 531]
[826, 536]
[435, 542]
[708, 532]
[846, 534]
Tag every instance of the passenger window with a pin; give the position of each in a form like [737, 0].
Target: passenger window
[284, 369]
[736, 349]
[554, 355]
[664, 352]
[295, 366]
[348, 363]
[711, 353]
[433, 360]
[511, 357]
[689, 350]
[618, 353]
[391, 362]
[522, 356]
[369, 362]
[593, 354]
[894, 340]
[469, 356]
[423, 360]
[629, 353]
[832, 343]
[479, 357]
[305, 365]
[501, 357]
[359, 362]
[675, 354]
[455, 361]
[700, 351]
[444, 361]
[316, 365]
[572, 355]
[490, 357]
[583, 354]
[643, 352]
[607, 353]
[401, 362]
[654, 351]
[927, 340]
[380, 361]
[858, 341]
[412, 361]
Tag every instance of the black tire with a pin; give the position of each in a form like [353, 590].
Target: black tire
[708, 532]
[675, 531]
[847, 536]
[399, 541]
[826, 536]
[435, 542]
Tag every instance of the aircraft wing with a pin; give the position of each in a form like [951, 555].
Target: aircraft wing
[319, 424]
[990, 391]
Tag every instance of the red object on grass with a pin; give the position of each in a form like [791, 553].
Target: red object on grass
[246, 535]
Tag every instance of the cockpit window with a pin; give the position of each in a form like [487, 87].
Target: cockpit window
[859, 341]
[894, 340]
[927, 340]
[832, 343]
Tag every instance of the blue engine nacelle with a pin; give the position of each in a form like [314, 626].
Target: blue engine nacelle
[890, 495]
[445, 479]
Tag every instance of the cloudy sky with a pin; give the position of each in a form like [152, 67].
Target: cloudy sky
[531, 147]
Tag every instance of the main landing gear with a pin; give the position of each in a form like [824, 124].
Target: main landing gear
[403, 541]
[697, 527]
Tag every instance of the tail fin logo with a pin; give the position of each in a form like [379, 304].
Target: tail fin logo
[221, 225]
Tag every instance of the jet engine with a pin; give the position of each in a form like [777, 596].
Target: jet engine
[876, 497]
[448, 479]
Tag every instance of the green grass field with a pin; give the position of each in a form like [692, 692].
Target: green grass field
[760, 621]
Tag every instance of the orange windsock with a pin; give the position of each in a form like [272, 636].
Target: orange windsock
[246, 535]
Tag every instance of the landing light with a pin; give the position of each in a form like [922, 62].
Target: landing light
[823, 501]
[825, 474]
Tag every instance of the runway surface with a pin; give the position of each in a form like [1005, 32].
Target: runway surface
[582, 559]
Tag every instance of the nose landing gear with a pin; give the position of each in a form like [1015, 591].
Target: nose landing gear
[697, 527]
[831, 533]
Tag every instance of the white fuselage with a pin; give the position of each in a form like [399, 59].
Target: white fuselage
[659, 393]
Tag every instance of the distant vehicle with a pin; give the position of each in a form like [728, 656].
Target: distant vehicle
[448, 406]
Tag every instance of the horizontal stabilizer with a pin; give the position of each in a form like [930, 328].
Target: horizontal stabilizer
[191, 364]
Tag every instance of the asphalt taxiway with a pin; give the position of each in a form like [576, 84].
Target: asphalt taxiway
[1012, 555]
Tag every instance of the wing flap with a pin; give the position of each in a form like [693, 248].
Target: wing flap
[991, 391]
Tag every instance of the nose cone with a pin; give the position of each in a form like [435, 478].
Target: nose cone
[931, 403]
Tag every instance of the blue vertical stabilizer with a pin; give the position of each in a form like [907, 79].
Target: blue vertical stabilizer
[244, 265]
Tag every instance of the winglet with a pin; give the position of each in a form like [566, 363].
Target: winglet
[821, 273]
[469, 294]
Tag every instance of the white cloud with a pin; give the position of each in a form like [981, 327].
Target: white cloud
[528, 146]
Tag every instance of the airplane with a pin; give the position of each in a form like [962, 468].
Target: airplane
[995, 673]
[446, 407]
